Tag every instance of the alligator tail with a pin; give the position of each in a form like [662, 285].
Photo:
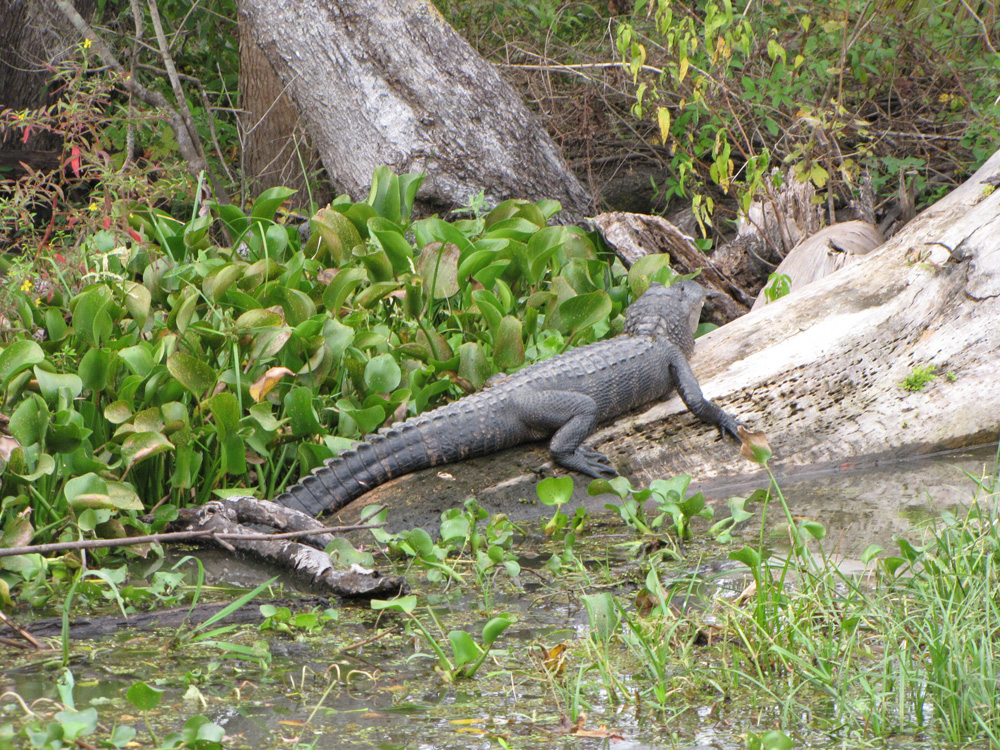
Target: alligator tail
[389, 453]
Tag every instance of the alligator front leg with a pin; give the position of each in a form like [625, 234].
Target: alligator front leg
[570, 418]
[690, 393]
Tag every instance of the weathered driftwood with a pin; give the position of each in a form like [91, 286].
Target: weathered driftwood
[829, 250]
[819, 371]
[230, 516]
[633, 236]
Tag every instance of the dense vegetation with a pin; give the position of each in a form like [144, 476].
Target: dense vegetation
[160, 346]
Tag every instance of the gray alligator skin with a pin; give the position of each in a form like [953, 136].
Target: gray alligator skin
[564, 398]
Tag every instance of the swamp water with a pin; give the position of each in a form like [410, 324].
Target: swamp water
[558, 676]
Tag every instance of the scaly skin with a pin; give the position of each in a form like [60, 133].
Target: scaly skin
[564, 398]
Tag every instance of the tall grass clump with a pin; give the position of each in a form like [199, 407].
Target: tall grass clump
[909, 646]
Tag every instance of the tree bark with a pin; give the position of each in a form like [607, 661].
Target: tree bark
[392, 83]
[276, 150]
[820, 371]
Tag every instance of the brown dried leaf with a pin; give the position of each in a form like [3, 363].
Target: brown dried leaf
[267, 381]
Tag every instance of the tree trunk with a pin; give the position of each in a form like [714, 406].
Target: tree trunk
[276, 150]
[820, 371]
[392, 83]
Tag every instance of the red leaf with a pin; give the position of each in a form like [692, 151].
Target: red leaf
[74, 160]
[27, 132]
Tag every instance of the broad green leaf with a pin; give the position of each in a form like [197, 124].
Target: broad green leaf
[226, 411]
[45, 466]
[438, 267]
[298, 306]
[86, 488]
[345, 282]
[602, 614]
[493, 629]
[748, 556]
[382, 373]
[138, 359]
[137, 301]
[93, 370]
[30, 421]
[183, 311]
[192, 373]
[217, 282]
[143, 697]
[555, 490]
[371, 296]
[584, 310]
[268, 202]
[142, 445]
[403, 604]
[473, 366]
[463, 647]
[389, 237]
[51, 383]
[509, 346]
[19, 356]
[338, 235]
[300, 412]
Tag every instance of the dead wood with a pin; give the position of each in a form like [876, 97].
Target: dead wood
[231, 516]
[633, 236]
[829, 250]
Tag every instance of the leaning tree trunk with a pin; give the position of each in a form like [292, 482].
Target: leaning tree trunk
[390, 82]
[819, 371]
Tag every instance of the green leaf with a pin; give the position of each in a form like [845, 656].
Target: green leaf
[389, 237]
[93, 370]
[137, 302]
[584, 310]
[382, 374]
[30, 421]
[268, 202]
[438, 268]
[226, 411]
[297, 306]
[555, 490]
[493, 629]
[191, 373]
[338, 235]
[143, 697]
[748, 556]
[473, 366]
[463, 647]
[300, 412]
[345, 282]
[51, 384]
[403, 604]
[142, 445]
[19, 356]
[138, 358]
[602, 614]
[217, 282]
[509, 346]
[83, 490]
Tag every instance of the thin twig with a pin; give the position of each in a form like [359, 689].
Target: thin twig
[176, 536]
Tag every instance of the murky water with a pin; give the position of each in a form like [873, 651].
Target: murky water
[369, 682]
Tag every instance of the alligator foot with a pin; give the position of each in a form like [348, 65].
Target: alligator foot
[587, 461]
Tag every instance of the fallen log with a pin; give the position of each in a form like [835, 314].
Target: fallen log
[820, 371]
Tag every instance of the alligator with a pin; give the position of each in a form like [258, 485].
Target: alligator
[564, 398]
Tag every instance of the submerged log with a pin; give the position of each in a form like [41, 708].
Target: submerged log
[820, 371]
